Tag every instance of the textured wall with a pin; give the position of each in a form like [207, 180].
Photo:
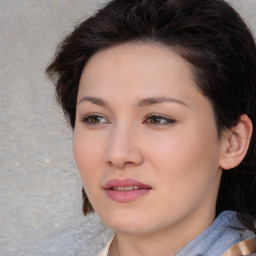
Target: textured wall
[39, 184]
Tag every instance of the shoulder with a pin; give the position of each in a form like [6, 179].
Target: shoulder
[86, 236]
[237, 235]
[226, 231]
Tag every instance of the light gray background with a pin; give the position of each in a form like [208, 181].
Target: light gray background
[40, 189]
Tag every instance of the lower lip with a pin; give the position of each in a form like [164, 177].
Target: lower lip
[125, 196]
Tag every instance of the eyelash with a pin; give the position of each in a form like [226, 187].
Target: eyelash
[88, 119]
[166, 120]
[159, 119]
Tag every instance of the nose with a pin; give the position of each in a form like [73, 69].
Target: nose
[123, 149]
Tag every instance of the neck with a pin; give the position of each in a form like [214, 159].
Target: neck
[115, 250]
[166, 242]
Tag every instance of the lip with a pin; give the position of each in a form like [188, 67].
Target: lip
[125, 195]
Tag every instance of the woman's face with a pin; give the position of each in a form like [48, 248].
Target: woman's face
[145, 140]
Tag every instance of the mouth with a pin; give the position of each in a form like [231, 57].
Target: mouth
[125, 190]
[128, 188]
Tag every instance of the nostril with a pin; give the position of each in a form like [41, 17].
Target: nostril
[121, 165]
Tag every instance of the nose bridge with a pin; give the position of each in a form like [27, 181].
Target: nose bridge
[122, 148]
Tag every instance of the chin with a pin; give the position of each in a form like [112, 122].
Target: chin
[128, 228]
[127, 222]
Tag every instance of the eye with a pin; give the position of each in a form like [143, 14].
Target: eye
[94, 119]
[158, 120]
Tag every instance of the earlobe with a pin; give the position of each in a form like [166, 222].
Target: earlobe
[235, 143]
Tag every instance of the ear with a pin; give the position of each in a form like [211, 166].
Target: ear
[235, 143]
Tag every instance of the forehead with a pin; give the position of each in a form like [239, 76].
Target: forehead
[137, 57]
[134, 71]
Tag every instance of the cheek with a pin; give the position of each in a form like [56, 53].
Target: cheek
[189, 159]
[187, 177]
[88, 153]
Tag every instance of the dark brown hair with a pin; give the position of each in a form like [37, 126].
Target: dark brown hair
[210, 35]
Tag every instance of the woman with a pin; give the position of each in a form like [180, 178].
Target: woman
[161, 97]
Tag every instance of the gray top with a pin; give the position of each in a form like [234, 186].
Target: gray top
[87, 236]
[225, 231]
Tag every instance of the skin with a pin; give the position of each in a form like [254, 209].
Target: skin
[178, 155]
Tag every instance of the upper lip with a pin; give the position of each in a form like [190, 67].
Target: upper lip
[124, 183]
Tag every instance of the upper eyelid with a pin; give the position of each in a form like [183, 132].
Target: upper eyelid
[94, 114]
[160, 115]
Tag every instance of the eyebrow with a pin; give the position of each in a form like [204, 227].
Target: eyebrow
[142, 103]
[94, 100]
[157, 100]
